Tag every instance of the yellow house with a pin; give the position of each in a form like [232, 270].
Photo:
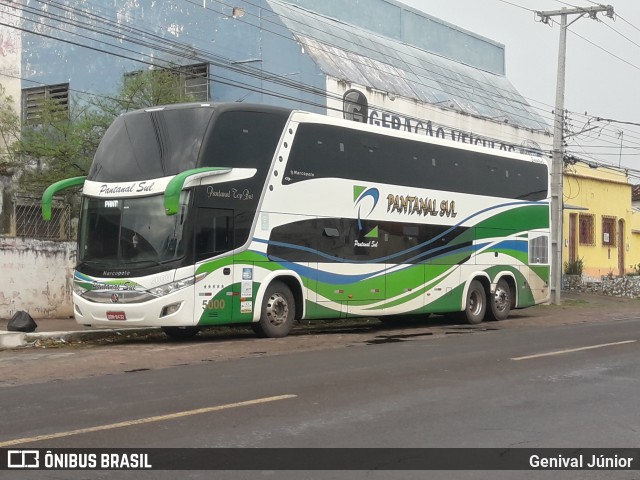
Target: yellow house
[601, 228]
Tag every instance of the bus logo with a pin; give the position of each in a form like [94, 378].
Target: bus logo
[115, 298]
[366, 196]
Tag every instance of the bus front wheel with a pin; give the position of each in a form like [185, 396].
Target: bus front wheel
[476, 305]
[278, 312]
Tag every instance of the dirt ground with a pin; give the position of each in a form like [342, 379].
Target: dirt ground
[128, 352]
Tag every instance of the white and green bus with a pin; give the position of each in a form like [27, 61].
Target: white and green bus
[218, 214]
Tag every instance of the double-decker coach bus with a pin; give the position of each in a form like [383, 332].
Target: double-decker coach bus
[215, 214]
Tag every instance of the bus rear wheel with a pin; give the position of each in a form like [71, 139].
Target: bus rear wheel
[500, 301]
[180, 333]
[278, 312]
[476, 304]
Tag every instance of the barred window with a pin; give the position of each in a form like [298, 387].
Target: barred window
[608, 231]
[539, 249]
[36, 101]
[192, 81]
[29, 222]
[195, 81]
[587, 229]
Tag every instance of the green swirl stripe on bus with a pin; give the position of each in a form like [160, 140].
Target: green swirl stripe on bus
[174, 188]
[47, 196]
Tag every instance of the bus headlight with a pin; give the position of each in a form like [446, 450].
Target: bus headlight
[78, 289]
[168, 288]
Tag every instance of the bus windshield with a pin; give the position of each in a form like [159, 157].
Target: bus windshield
[144, 145]
[131, 230]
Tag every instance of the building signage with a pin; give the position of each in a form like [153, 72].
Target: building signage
[356, 108]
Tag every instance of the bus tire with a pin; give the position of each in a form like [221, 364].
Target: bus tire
[180, 333]
[278, 312]
[476, 303]
[500, 301]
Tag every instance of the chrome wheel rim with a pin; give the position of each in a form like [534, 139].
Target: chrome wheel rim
[501, 299]
[277, 309]
[475, 303]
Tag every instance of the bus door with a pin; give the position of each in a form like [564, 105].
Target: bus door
[365, 290]
[350, 282]
[218, 295]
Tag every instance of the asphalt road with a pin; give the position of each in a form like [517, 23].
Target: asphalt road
[557, 386]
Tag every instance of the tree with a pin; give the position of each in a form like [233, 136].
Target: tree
[146, 89]
[9, 134]
[63, 143]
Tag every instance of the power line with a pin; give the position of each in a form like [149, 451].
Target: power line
[459, 84]
[220, 80]
[58, 4]
[637, 124]
[627, 22]
[603, 131]
[227, 60]
[518, 6]
[172, 46]
[288, 38]
[605, 50]
[218, 1]
[155, 63]
[623, 35]
[243, 70]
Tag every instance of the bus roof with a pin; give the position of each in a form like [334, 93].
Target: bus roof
[308, 117]
[302, 116]
[219, 106]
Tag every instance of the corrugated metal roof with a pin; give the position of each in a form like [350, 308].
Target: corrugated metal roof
[353, 54]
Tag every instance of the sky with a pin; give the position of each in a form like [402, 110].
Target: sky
[597, 83]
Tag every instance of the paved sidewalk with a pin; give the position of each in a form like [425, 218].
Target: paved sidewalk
[50, 325]
[66, 330]
[54, 329]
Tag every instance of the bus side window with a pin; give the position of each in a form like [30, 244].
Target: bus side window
[214, 232]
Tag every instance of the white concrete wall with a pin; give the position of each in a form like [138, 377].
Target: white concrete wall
[36, 276]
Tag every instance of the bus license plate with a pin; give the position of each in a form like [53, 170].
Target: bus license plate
[116, 316]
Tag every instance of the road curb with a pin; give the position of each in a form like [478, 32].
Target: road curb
[12, 340]
[9, 340]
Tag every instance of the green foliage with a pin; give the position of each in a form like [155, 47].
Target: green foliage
[9, 134]
[64, 142]
[636, 270]
[146, 89]
[574, 268]
[61, 146]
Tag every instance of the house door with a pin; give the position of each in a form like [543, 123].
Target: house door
[621, 247]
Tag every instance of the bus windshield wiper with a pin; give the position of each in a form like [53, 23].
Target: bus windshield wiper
[149, 260]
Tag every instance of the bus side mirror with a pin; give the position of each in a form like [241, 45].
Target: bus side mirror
[47, 196]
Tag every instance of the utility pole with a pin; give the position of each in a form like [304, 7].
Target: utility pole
[621, 135]
[558, 140]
